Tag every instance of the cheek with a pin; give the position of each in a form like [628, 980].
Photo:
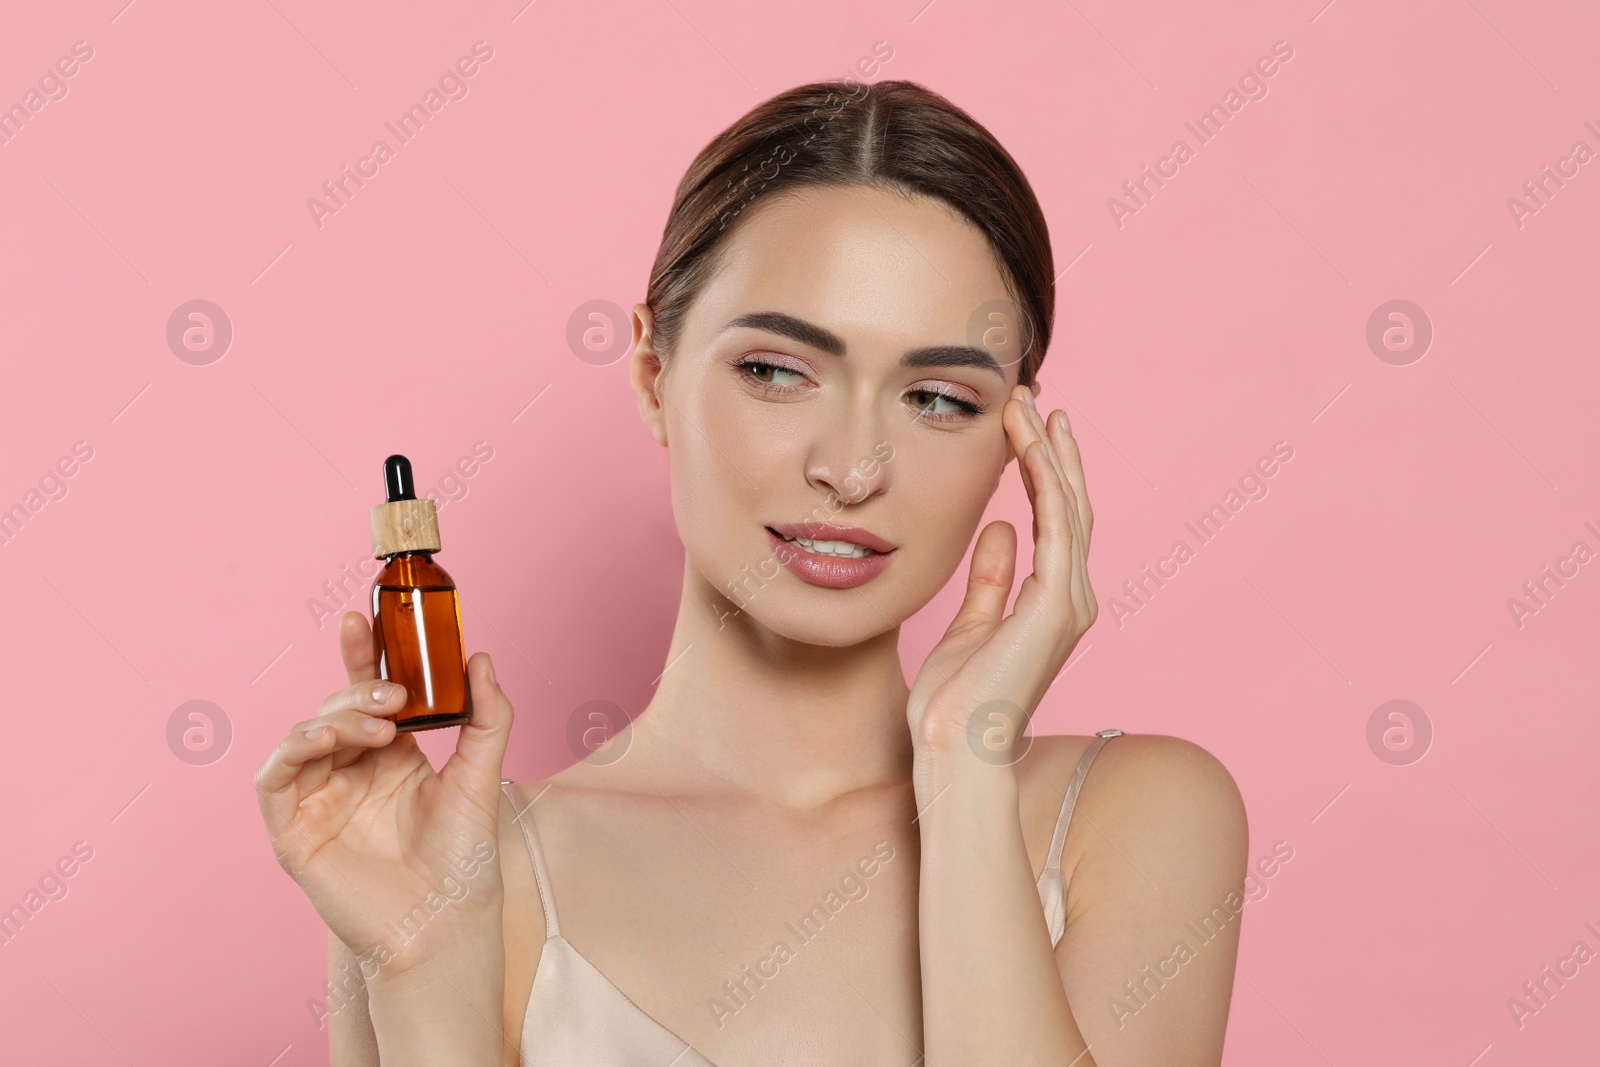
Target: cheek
[942, 495]
[951, 496]
[725, 465]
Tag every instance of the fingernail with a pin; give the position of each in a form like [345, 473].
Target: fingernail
[1027, 395]
[492, 680]
[382, 691]
[315, 732]
[371, 725]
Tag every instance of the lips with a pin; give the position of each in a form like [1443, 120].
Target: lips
[829, 572]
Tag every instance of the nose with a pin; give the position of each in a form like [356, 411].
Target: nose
[850, 463]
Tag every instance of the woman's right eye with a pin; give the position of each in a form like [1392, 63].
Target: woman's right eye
[765, 374]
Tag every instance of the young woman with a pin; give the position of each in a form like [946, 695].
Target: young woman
[791, 856]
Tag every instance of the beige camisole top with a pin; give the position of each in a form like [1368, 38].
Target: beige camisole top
[578, 1018]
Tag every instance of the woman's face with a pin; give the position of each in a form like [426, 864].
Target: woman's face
[789, 399]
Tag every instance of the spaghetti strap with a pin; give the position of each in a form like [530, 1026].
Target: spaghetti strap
[1052, 885]
[1070, 801]
[530, 834]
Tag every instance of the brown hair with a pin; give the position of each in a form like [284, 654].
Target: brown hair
[893, 134]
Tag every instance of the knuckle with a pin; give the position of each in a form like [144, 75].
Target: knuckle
[351, 695]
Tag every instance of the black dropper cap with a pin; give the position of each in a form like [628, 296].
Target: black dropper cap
[397, 483]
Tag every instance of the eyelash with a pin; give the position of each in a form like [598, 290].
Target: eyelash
[968, 408]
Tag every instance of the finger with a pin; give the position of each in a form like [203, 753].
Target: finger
[325, 735]
[1052, 546]
[279, 786]
[993, 569]
[481, 744]
[1014, 447]
[348, 735]
[1037, 418]
[1044, 483]
[358, 647]
[1074, 512]
[1072, 464]
[1075, 517]
[372, 697]
[1020, 434]
[1066, 449]
[280, 776]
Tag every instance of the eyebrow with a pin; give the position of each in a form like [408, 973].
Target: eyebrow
[809, 333]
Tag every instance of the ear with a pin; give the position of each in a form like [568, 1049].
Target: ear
[645, 374]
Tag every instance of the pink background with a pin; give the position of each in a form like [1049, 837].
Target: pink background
[1227, 314]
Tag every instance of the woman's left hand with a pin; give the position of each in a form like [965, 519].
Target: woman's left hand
[981, 683]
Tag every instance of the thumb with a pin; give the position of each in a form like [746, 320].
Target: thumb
[994, 561]
[481, 744]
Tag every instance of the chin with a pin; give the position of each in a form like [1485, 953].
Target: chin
[839, 628]
[784, 605]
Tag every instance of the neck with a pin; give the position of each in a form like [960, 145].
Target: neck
[794, 723]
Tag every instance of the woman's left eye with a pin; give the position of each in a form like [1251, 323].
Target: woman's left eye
[927, 402]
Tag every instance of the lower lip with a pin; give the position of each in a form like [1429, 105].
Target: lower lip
[830, 572]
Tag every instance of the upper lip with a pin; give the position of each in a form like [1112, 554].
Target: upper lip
[827, 531]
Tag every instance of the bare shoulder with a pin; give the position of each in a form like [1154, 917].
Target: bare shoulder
[1172, 801]
[1155, 865]
[1137, 771]
[1151, 793]
[1139, 778]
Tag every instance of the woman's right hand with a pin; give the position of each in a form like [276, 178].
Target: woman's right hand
[380, 842]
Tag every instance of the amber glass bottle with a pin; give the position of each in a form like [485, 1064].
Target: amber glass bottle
[416, 612]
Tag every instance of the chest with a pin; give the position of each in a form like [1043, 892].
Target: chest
[750, 934]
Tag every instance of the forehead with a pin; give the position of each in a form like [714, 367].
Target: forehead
[867, 263]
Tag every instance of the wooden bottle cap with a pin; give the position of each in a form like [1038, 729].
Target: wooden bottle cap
[405, 526]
